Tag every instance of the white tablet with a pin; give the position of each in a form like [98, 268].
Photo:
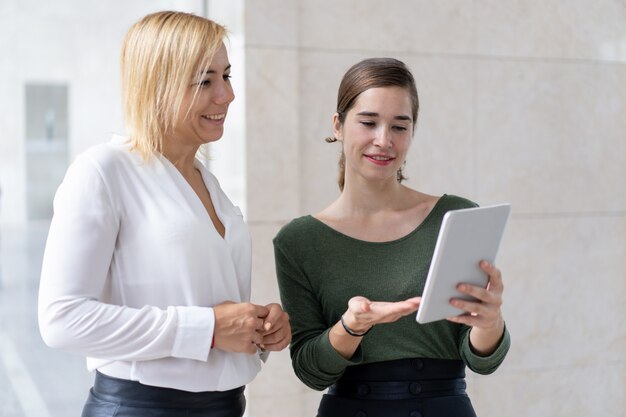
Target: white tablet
[466, 237]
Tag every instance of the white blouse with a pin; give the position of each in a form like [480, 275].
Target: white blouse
[132, 266]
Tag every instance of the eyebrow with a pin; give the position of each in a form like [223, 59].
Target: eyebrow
[210, 71]
[374, 114]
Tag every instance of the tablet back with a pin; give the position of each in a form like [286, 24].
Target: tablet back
[466, 237]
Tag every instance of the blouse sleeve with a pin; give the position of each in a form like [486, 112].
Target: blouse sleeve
[483, 365]
[74, 280]
[315, 362]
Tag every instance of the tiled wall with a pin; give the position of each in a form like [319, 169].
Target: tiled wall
[521, 101]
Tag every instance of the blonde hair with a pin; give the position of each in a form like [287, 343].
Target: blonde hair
[162, 55]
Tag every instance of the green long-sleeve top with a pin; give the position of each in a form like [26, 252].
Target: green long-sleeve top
[319, 269]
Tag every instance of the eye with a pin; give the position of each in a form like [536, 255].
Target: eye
[400, 128]
[204, 83]
[227, 77]
[368, 123]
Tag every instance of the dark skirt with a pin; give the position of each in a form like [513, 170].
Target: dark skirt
[113, 397]
[400, 388]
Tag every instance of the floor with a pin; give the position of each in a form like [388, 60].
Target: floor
[35, 381]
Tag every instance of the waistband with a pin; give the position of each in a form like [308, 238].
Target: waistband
[134, 393]
[402, 379]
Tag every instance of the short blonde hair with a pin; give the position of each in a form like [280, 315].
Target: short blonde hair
[162, 55]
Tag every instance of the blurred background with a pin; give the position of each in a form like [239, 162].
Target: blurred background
[521, 101]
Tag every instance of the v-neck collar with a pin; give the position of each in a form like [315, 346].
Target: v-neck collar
[193, 198]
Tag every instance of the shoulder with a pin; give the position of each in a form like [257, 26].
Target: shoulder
[454, 202]
[294, 230]
[100, 169]
[104, 159]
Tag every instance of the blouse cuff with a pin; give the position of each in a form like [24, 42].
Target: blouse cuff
[330, 361]
[194, 332]
[486, 364]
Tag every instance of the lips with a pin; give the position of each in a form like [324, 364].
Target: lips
[214, 117]
[380, 159]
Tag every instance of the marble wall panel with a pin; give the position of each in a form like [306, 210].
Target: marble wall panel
[444, 26]
[521, 101]
[564, 290]
[550, 136]
[271, 23]
[276, 391]
[320, 74]
[272, 140]
[578, 391]
[442, 156]
[264, 284]
[577, 29]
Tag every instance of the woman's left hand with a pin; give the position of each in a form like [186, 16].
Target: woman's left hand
[277, 330]
[484, 314]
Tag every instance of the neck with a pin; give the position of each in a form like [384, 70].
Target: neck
[367, 197]
[182, 157]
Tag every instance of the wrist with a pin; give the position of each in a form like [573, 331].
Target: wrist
[352, 331]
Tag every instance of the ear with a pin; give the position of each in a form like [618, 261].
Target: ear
[337, 128]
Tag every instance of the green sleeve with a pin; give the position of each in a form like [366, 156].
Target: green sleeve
[314, 360]
[483, 365]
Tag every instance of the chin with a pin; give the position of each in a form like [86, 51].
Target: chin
[212, 137]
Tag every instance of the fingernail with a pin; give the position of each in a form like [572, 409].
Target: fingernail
[267, 326]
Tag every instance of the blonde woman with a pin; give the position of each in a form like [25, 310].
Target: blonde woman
[147, 265]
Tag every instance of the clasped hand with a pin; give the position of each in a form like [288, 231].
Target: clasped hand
[245, 327]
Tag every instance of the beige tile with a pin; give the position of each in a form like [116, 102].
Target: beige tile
[594, 390]
[564, 291]
[276, 378]
[264, 284]
[576, 29]
[549, 136]
[311, 401]
[278, 405]
[272, 134]
[390, 27]
[271, 23]
[278, 392]
[441, 159]
[320, 74]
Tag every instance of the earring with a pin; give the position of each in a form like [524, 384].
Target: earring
[400, 174]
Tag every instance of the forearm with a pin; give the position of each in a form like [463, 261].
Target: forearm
[92, 328]
[484, 341]
[317, 363]
[344, 343]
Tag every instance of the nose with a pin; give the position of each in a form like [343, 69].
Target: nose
[383, 138]
[224, 94]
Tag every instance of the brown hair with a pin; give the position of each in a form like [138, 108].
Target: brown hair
[372, 73]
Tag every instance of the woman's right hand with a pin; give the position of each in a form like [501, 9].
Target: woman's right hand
[239, 326]
[362, 313]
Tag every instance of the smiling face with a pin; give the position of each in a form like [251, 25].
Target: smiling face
[376, 134]
[201, 119]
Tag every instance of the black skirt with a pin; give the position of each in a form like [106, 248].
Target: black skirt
[113, 397]
[400, 388]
